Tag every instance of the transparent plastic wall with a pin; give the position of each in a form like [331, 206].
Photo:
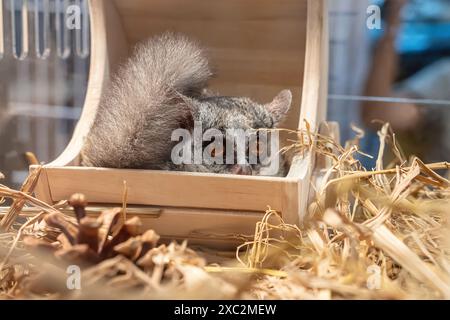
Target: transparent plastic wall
[44, 63]
[390, 61]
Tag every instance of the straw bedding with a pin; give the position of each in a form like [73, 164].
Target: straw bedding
[380, 234]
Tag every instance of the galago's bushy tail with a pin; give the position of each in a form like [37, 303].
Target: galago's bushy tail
[145, 102]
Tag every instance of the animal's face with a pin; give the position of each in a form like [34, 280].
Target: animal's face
[243, 146]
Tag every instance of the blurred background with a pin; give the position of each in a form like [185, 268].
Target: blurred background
[391, 65]
[44, 63]
[397, 72]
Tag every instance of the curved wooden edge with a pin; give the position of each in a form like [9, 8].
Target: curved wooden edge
[108, 45]
[314, 101]
[315, 83]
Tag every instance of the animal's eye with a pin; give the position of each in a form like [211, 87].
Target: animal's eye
[217, 152]
[257, 148]
[254, 148]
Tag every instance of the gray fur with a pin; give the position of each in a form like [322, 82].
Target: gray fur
[159, 90]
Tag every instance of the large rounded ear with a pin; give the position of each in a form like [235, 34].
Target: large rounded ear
[280, 105]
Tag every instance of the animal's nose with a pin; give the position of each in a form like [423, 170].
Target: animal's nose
[244, 170]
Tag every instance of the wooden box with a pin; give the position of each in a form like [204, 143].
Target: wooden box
[258, 47]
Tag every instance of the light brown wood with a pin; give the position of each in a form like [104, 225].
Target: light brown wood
[314, 95]
[223, 229]
[179, 189]
[257, 48]
[315, 88]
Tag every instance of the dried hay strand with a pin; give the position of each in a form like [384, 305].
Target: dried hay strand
[387, 225]
[18, 203]
[377, 234]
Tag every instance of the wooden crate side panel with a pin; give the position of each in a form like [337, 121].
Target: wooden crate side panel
[178, 189]
[249, 24]
[203, 225]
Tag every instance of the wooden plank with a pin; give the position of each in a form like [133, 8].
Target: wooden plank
[178, 189]
[214, 9]
[217, 229]
[257, 35]
[315, 88]
[269, 67]
[314, 95]
[240, 24]
[213, 227]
